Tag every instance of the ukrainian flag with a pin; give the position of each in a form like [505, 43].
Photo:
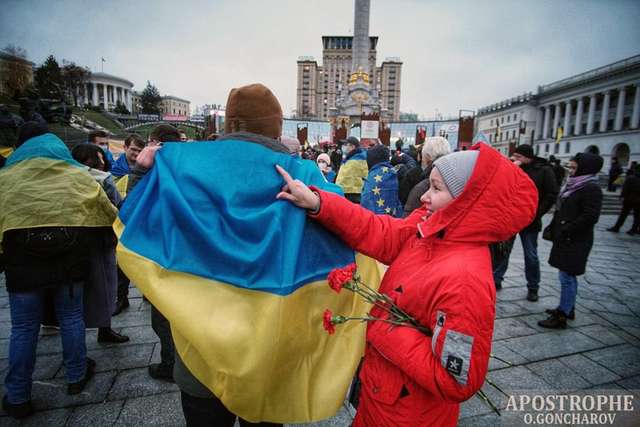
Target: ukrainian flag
[41, 185]
[353, 172]
[241, 277]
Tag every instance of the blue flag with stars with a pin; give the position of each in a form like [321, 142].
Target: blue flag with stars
[380, 192]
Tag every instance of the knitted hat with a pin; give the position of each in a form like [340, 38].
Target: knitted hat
[377, 154]
[456, 169]
[325, 157]
[255, 109]
[292, 144]
[525, 150]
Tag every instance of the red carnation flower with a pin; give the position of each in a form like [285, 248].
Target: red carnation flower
[327, 322]
[338, 277]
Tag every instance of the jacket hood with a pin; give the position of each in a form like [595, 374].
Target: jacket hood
[588, 164]
[497, 202]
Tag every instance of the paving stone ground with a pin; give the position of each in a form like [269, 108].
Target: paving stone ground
[599, 351]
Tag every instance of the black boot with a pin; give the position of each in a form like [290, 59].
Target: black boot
[108, 335]
[161, 371]
[571, 316]
[121, 304]
[614, 229]
[17, 411]
[498, 286]
[75, 388]
[556, 321]
[532, 295]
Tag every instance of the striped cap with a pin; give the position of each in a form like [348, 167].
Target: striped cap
[456, 169]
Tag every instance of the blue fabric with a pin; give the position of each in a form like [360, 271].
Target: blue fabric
[47, 146]
[26, 315]
[330, 176]
[568, 291]
[209, 209]
[120, 167]
[529, 239]
[380, 191]
[108, 155]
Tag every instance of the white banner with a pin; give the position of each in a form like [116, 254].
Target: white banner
[369, 129]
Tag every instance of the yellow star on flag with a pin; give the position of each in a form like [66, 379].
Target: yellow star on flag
[387, 210]
[385, 169]
[381, 202]
[378, 178]
[376, 191]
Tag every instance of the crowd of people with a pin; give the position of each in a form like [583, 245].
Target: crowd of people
[418, 210]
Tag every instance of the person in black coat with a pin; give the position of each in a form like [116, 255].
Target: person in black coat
[631, 201]
[614, 172]
[541, 173]
[571, 230]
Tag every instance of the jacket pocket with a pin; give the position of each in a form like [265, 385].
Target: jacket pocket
[381, 378]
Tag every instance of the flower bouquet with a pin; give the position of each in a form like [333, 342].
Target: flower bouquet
[348, 278]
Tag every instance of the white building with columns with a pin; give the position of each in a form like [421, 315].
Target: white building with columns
[107, 90]
[597, 110]
[508, 123]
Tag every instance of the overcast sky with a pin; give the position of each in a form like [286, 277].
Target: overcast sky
[456, 54]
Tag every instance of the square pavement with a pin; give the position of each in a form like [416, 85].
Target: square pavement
[600, 350]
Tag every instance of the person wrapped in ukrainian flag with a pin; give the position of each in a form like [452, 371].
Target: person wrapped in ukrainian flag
[240, 276]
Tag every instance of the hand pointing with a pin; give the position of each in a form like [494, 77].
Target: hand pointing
[297, 192]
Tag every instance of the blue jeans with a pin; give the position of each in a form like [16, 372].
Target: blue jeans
[529, 241]
[26, 315]
[568, 291]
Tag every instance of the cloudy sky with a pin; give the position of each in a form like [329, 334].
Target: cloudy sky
[457, 54]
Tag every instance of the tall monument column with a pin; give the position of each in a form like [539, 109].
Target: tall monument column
[360, 49]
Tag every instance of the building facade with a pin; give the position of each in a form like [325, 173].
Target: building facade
[16, 73]
[174, 106]
[107, 91]
[319, 86]
[508, 123]
[597, 110]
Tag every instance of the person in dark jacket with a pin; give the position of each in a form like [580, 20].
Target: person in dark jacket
[631, 201]
[577, 212]
[380, 191]
[543, 177]
[432, 149]
[100, 293]
[615, 170]
[558, 170]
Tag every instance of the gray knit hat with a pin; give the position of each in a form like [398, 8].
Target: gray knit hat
[456, 169]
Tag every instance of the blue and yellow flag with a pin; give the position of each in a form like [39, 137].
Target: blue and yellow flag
[353, 172]
[241, 277]
[41, 185]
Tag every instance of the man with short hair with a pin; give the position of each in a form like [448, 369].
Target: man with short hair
[133, 145]
[183, 136]
[543, 177]
[354, 169]
[101, 139]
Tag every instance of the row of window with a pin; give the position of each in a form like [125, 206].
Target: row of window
[556, 148]
[501, 119]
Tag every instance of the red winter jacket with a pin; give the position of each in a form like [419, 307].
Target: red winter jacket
[440, 273]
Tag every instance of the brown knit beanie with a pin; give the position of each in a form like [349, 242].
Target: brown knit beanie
[253, 108]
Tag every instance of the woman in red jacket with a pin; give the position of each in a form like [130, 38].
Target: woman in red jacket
[440, 273]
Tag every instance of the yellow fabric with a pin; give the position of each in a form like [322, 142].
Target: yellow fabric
[121, 185]
[43, 192]
[351, 176]
[5, 151]
[267, 357]
[559, 135]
